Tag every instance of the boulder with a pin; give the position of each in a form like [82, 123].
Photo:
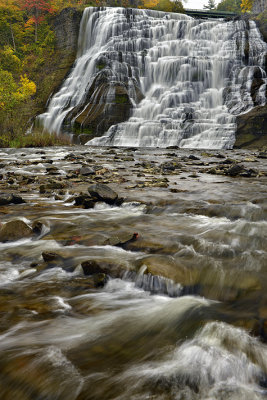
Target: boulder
[84, 200]
[103, 193]
[15, 230]
[91, 267]
[235, 170]
[11, 199]
[87, 171]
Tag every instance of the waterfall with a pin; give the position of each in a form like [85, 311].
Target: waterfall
[182, 80]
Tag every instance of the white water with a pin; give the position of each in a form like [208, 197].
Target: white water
[196, 75]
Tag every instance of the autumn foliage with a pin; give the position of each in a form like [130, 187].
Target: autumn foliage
[246, 5]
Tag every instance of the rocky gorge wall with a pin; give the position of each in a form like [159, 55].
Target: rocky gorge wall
[252, 126]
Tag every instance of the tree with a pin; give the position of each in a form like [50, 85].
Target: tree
[12, 93]
[169, 6]
[9, 11]
[37, 9]
[246, 5]
[211, 5]
[230, 5]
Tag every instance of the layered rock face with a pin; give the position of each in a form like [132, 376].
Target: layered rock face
[252, 126]
[66, 28]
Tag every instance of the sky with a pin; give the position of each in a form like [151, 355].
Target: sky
[198, 4]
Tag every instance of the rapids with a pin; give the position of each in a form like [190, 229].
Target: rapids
[194, 328]
[195, 77]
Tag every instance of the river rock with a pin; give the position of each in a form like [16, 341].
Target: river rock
[15, 230]
[49, 256]
[37, 227]
[103, 193]
[123, 241]
[92, 267]
[87, 171]
[55, 185]
[11, 199]
[100, 280]
[235, 170]
[85, 201]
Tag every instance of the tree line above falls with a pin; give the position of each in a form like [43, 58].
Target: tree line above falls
[35, 54]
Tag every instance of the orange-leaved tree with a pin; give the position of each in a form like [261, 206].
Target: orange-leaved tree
[36, 9]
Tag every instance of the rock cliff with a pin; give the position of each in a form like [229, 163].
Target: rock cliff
[252, 126]
[66, 27]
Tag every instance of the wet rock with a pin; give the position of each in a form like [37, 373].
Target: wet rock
[249, 173]
[227, 161]
[124, 242]
[169, 268]
[92, 267]
[262, 154]
[11, 199]
[37, 227]
[192, 157]
[235, 170]
[85, 201]
[15, 230]
[49, 256]
[54, 260]
[103, 193]
[87, 171]
[100, 280]
[52, 170]
[42, 189]
[55, 185]
[112, 241]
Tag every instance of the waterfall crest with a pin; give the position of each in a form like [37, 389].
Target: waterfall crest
[177, 80]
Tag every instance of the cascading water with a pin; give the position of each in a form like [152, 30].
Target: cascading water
[185, 79]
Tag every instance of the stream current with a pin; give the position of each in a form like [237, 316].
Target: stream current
[194, 329]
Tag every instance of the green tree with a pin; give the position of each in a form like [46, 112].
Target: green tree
[170, 6]
[10, 16]
[230, 5]
[211, 5]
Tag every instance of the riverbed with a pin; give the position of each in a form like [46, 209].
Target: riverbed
[178, 312]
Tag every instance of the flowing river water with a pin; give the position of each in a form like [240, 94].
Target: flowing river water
[186, 317]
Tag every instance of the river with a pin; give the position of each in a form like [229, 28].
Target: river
[182, 315]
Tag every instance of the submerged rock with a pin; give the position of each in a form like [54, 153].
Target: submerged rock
[122, 242]
[15, 230]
